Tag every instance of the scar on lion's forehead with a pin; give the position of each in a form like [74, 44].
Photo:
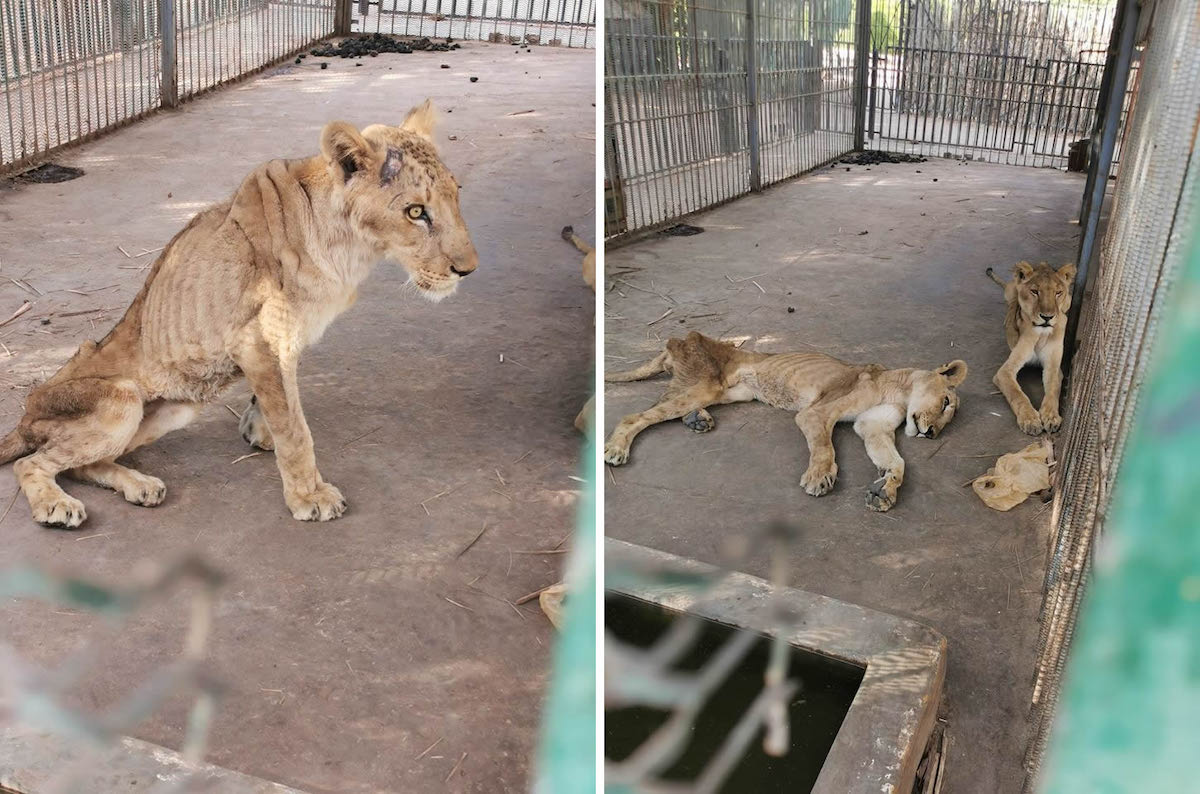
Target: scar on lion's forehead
[392, 165]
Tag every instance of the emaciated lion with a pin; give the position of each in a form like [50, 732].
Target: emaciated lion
[821, 390]
[242, 291]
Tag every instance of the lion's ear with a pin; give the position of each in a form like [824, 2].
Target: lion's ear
[421, 120]
[341, 143]
[955, 371]
[1067, 273]
[1023, 271]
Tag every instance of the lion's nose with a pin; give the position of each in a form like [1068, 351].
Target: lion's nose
[465, 271]
[1047, 317]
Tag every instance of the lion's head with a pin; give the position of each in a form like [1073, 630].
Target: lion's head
[1043, 293]
[403, 200]
[933, 400]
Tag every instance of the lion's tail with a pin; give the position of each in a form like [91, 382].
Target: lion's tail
[992, 275]
[647, 370]
[13, 446]
[568, 234]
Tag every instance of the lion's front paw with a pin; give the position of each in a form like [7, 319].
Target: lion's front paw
[254, 428]
[324, 504]
[880, 497]
[615, 454]
[1030, 422]
[699, 421]
[62, 512]
[818, 480]
[1051, 421]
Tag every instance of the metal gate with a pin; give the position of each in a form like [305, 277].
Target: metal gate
[694, 116]
[1006, 81]
[558, 23]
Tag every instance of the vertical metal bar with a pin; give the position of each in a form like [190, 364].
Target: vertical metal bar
[168, 87]
[1126, 28]
[752, 94]
[862, 48]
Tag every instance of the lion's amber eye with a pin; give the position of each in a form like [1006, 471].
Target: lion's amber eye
[416, 211]
[1035, 292]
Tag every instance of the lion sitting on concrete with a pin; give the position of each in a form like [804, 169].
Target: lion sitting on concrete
[242, 291]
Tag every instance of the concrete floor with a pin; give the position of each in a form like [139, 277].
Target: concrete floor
[343, 655]
[881, 264]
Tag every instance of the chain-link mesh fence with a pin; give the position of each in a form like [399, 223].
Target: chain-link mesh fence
[221, 40]
[1153, 210]
[694, 116]
[72, 68]
[558, 23]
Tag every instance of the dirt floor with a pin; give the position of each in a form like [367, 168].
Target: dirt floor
[881, 264]
[347, 648]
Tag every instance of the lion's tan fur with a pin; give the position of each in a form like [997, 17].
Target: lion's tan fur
[585, 419]
[821, 390]
[1036, 303]
[242, 290]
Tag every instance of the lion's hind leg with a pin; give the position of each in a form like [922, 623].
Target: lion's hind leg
[137, 488]
[699, 421]
[675, 403]
[84, 422]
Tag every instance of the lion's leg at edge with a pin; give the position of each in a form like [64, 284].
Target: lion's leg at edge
[1006, 381]
[672, 406]
[1052, 384]
[308, 496]
[97, 435]
[877, 429]
[817, 427]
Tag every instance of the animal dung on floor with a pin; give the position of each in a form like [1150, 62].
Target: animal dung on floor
[873, 157]
[1015, 476]
[48, 173]
[371, 46]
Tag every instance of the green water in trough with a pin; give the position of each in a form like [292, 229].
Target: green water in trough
[827, 687]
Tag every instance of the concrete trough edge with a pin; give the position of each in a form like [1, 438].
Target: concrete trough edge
[31, 759]
[883, 736]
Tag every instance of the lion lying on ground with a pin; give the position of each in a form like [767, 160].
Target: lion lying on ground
[821, 389]
[241, 291]
[1038, 298]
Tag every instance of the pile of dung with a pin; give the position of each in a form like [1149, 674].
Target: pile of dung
[372, 45]
[871, 157]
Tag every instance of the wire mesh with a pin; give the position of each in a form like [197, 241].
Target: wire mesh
[805, 99]
[221, 40]
[1006, 81]
[40, 698]
[70, 69]
[694, 116]
[1154, 204]
[559, 23]
[649, 677]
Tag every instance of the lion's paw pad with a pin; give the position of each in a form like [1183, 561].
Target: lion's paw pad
[615, 455]
[324, 504]
[65, 512]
